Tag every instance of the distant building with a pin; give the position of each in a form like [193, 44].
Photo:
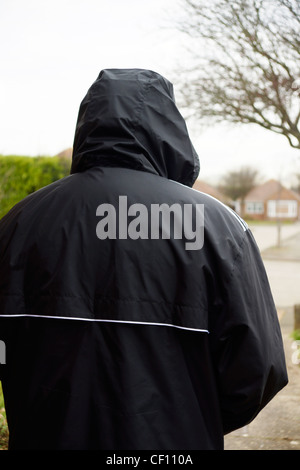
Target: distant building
[271, 201]
[66, 154]
[211, 191]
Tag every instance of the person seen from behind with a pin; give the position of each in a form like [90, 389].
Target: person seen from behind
[135, 310]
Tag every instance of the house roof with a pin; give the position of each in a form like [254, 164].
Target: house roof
[271, 189]
[206, 188]
[67, 153]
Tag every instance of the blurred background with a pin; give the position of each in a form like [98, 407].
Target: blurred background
[230, 63]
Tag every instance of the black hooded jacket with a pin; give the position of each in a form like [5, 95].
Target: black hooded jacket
[135, 311]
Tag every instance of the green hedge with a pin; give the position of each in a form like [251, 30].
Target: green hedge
[21, 175]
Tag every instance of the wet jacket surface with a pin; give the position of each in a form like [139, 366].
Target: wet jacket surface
[116, 339]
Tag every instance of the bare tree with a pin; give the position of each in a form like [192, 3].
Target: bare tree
[236, 184]
[247, 63]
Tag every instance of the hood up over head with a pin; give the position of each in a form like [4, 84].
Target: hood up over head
[129, 118]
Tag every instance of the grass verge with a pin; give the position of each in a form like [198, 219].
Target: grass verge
[3, 424]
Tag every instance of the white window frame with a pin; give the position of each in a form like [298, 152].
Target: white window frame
[275, 208]
[254, 207]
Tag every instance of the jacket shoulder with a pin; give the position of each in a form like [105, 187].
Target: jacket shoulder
[215, 211]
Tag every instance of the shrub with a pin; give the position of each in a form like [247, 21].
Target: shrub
[20, 176]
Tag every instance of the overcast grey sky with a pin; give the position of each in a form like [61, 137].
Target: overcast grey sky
[51, 52]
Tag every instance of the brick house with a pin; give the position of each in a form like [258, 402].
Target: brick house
[272, 201]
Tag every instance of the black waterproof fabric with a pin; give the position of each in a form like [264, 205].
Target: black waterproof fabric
[116, 339]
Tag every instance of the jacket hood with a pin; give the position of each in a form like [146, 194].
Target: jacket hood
[129, 118]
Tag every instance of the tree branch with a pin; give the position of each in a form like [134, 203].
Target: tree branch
[251, 56]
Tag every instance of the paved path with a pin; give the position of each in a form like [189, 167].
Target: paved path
[284, 278]
[267, 235]
[282, 262]
[277, 426]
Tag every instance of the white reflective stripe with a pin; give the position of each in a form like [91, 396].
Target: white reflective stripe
[107, 321]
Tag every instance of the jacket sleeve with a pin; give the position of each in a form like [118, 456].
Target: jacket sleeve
[246, 339]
